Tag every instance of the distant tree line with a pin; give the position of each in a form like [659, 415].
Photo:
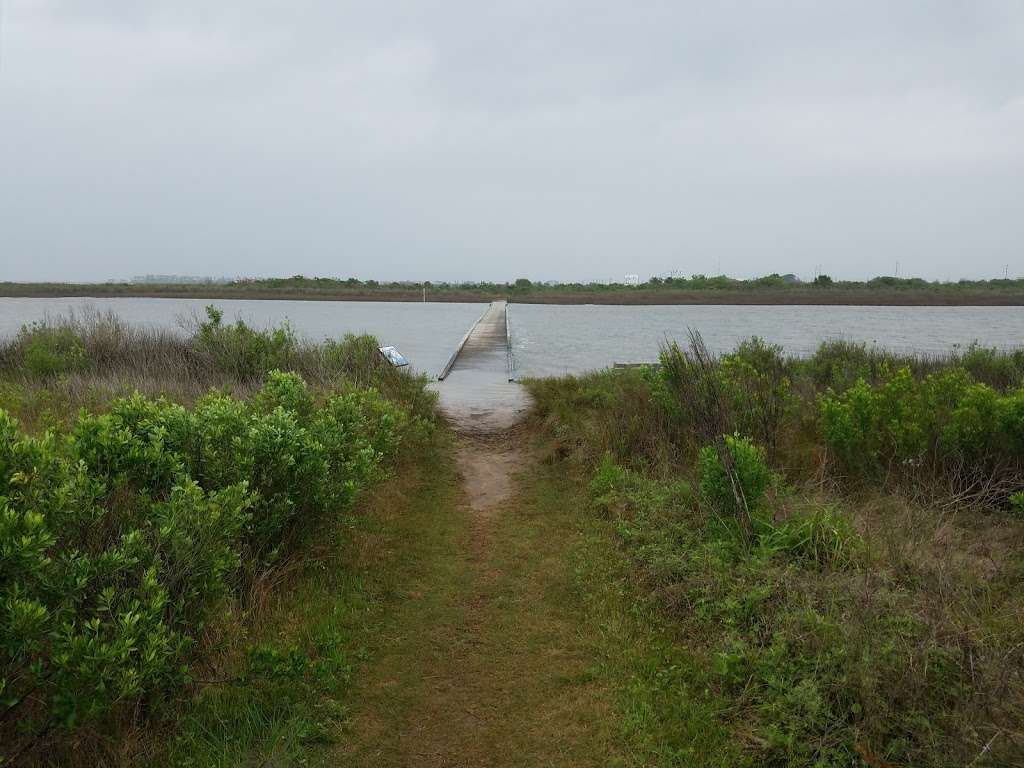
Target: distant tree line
[696, 282]
[674, 289]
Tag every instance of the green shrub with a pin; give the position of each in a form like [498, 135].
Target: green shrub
[999, 369]
[1011, 421]
[838, 365]
[943, 425]
[118, 457]
[746, 391]
[358, 430]
[198, 537]
[221, 455]
[246, 353]
[848, 426]
[1017, 503]
[359, 357]
[755, 383]
[902, 418]
[49, 352]
[91, 621]
[119, 542]
[734, 478]
[285, 390]
[973, 424]
[689, 392]
[286, 468]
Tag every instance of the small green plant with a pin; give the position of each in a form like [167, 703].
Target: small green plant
[1017, 504]
[821, 539]
[734, 478]
[608, 479]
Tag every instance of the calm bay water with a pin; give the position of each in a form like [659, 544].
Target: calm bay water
[551, 339]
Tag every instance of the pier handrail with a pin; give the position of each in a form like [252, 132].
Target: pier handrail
[455, 355]
[511, 362]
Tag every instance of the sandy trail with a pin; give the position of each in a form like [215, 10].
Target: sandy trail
[487, 469]
[485, 664]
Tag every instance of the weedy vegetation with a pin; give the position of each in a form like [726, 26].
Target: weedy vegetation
[821, 560]
[53, 368]
[835, 543]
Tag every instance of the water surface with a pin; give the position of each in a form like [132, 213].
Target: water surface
[557, 339]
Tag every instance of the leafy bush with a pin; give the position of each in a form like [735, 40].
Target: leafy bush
[873, 426]
[1017, 503]
[1011, 421]
[755, 384]
[973, 424]
[285, 390]
[688, 388]
[839, 364]
[943, 424]
[747, 391]
[1000, 370]
[49, 352]
[119, 541]
[245, 352]
[734, 478]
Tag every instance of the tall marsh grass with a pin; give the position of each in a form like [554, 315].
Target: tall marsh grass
[89, 357]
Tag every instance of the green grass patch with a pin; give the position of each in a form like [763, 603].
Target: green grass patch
[666, 712]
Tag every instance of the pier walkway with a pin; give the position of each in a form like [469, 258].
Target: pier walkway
[476, 387]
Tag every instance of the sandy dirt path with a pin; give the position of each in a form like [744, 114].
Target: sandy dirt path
[484, 662]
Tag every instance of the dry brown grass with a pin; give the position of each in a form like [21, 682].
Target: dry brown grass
[54, 368]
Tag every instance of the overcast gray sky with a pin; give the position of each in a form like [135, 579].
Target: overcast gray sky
[490, 140]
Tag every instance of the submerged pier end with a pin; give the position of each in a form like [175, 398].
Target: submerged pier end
[476, 387]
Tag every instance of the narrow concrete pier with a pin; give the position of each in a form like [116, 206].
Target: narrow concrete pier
[475, 387]
[484, 343]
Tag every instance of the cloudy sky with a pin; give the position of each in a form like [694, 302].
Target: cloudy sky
[490, 140]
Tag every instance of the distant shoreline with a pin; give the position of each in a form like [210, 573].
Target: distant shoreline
[792, 296]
